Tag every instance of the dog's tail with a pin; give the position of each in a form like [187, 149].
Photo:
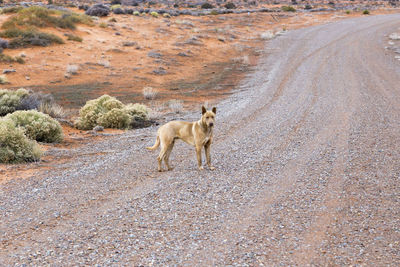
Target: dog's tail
[156, 145]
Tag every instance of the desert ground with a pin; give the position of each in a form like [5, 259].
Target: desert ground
[306, 145]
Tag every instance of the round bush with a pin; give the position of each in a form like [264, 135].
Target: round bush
[15, 146]
[98, 10]
[37, 125]
[137, 111]
[115, 118]
[10, 100]
[93, 110]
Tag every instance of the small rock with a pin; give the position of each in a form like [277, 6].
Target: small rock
[5, 71]
[160, 71]
[98, 128]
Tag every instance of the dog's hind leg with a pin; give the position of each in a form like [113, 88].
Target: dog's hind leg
[163, 153]
[168, 153]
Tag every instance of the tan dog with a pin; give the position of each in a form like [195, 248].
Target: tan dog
[197, 134]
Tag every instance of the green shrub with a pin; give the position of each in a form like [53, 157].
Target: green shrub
[207, 6]
[166, 15]
[103, 25]
[136, 13]
[94, 110]
[37, 125]
[137, 111]
[115, 6]
[15, 147]
[154, 14]
[42, 17]
[366, 12]
[10, 100]
[29, 37]
[214, 12]
[3, 79]
[13, 9]
[347, 12]
[288, 9]
[109, 112]
[116, 118]
[9, 59]
[73, 37]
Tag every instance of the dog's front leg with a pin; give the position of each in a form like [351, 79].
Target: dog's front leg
[198, 154]
[207, 147]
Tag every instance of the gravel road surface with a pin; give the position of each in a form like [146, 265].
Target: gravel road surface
[308, 163]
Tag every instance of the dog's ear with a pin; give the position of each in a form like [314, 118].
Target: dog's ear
[203, 110]
[214, 109]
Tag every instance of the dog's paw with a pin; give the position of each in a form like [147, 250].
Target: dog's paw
[212, 168]
[201, 168]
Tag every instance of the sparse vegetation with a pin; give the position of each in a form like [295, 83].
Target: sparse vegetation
[37, 125]
[3, 79]
[109, 112]
[103, 25]
[72, 69]
[230, 5]
[149, 93]
[73, 37]
[22, 28]
[40, 17]
[207, 6]
[29, 37]
[175, 105]
[15, 146]
[10, 59]
[13, 9]
[288, 9]
[348, 12]
[366, 12]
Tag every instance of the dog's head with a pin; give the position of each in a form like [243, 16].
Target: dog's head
[208, 117]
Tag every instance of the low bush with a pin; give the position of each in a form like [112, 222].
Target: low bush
[72, 37]
[230, 5]
[38, 16]
[207, 6]
[288, 9]
[137, 111]
[154, 14]
[116, 118]
[15, 147]
[109, 112]
[10, 100]
[98, 10]
[3, 79]
[366, 12]
[13, 9]
[29, 37]
[10, 59]
[37, 125]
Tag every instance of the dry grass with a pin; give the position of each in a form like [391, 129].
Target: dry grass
[149, 93]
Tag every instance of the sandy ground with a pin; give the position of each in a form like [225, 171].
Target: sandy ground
[307, 154]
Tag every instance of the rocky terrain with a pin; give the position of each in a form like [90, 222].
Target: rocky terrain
[306, 150]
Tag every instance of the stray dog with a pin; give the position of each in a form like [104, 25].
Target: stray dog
[197, 134]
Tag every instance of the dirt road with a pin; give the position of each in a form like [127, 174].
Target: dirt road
[307, 155]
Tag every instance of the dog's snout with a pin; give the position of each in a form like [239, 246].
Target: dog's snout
[211, 124]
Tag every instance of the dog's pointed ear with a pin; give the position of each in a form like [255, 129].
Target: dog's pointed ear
[214, 109]
[203, 110]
